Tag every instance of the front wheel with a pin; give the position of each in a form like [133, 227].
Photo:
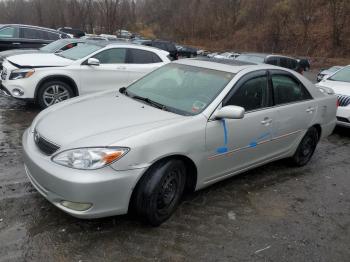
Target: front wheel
[306, 148]
[53, 92]
[159, 191]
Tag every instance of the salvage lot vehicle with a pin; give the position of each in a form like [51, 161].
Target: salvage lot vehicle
[164, 45]
[277, 60]
[188, 125]
[54, 47]
[51, 78]
[324, 73]
[14, 36]
[340, 84]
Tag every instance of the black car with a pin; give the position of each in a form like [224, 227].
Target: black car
[13, 36]
[54, 47]
[186, 51]
[164, 45]
[277, 60]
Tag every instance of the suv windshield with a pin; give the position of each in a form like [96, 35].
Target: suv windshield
[342, 75]
[80, 51]
[182, 89]
[54, 46]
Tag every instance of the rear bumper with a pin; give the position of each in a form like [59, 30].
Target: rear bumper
[343, 116]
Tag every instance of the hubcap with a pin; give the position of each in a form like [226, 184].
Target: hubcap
[55, 94]
[168, 190]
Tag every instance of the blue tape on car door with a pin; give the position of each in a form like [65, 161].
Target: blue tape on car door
[224, 148]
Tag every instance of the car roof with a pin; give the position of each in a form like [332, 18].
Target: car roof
[32, 26]
[227, 65]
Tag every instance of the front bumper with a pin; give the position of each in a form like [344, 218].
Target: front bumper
[108, 191]
[343, 116]
[4, 91]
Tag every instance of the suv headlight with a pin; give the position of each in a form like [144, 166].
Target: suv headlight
[90, 158]
[21, 73]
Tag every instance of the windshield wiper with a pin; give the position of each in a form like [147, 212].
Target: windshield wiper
[151, 102]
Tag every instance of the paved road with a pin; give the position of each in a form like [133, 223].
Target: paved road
[273, 213]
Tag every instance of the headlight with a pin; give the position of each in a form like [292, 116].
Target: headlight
[89, 158]
[21, 73]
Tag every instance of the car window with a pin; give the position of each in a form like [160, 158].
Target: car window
[137, 56]
[68, 46]
[30, 33]
[112, 56]
[251, 95]
[272, 61]
[80, 51]
[52, 36]
[8, 32]
[288, 90]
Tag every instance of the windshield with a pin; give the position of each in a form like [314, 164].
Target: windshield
[334, 68]
[80, 51]
[251, 58]
[342, 75]
[182, 89]
[54, 46]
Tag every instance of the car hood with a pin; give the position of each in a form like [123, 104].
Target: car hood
[39, 60]
[8, 53]
[340, 88]
[100, 120]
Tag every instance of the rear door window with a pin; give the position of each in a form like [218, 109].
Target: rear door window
[137, 56]
[288, 90]
[30, 33]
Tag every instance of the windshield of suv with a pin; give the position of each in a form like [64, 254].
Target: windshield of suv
[80, 51]
[342, 75]
[182, 89]
[54, 46]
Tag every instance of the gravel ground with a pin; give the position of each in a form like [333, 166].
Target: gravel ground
[273, 213]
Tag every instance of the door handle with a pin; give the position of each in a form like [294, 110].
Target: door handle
[267, 121]
[121, 67]
[310, 110]
[16, 43]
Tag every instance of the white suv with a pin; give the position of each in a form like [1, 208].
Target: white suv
[90, 67]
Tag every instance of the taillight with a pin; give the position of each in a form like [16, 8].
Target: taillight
[337, 102]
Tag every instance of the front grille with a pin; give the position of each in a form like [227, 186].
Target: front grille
[3, 73]
[342, 119]
[45, 146]
[343, 100]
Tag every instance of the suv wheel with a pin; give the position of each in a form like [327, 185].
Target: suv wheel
[53, 92]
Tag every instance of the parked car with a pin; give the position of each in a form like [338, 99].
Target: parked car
[72, 32]
[203, 52]
[123, 34]
[164, 45]
[339, 82]
[13, 36]
[227, 55]
[304, 63]
[109, 37]
[51, 78]
[183, 127]
[54, 47]
[277, 60]
[324, 73]
[211, 55]
[186, 51]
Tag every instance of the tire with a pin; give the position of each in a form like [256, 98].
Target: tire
[306, 148]
[159, 192]
[53, 92]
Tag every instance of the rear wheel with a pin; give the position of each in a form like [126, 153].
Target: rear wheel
[306, 148]
[53, 92]
[159, 191]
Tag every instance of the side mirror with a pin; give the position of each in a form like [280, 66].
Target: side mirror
[93, 62]
[230, 112]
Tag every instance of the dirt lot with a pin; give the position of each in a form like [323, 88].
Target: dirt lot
[273, 213]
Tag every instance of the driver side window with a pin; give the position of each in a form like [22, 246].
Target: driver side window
[251, 95]
[112, 56]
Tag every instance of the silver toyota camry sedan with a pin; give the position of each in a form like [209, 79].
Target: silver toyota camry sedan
[182, 127]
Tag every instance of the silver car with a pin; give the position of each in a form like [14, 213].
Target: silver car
[182, 127]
